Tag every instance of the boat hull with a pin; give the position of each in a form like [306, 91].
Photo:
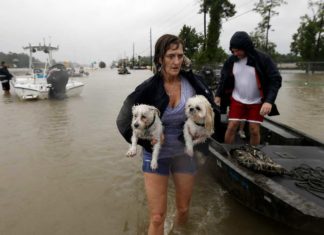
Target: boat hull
[29, 89]
[33, 91]
[264, 196]
[74, 89]
[276, 197]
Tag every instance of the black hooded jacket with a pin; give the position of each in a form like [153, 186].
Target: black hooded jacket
[267, 72]
[151, 92]
[5, 75]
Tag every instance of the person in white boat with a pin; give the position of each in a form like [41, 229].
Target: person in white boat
[5, 77]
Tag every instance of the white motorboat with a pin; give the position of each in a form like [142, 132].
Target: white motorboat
[35, 83]
[30, 87]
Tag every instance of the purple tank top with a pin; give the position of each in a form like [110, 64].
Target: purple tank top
[172, 121]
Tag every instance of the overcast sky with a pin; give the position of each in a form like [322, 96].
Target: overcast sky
[104, 30]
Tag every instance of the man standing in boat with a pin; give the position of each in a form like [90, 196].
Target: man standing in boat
[5, 77]
[249, 84]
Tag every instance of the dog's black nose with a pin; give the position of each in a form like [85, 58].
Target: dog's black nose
[191, 109]
[136, 125]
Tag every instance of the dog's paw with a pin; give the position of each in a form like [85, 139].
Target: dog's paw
[190, 152]
[131, 152]
[154, 165]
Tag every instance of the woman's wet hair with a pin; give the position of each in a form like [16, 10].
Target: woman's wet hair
[162, 45]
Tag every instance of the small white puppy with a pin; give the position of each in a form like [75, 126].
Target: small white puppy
[146, 124]
[200, 122]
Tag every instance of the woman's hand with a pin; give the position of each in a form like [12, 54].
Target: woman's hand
[217, 100]
[154, 141]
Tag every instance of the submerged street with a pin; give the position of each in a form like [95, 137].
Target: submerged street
[63, 168]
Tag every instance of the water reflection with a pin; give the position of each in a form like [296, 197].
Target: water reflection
[7, 98]
[54, 127]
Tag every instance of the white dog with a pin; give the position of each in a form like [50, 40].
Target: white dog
[146, 124]
[200, 122]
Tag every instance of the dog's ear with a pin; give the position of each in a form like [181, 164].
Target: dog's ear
[156, 111]
[209, 121]
[133, 108]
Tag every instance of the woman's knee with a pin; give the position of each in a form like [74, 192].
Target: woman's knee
[157, 219]
[183, 211]
[182, 215]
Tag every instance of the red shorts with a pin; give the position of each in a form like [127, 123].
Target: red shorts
[244, 112]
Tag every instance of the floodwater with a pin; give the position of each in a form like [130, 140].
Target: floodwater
[63, 168]
[300, 103]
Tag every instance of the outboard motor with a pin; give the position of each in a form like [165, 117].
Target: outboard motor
[57, 77]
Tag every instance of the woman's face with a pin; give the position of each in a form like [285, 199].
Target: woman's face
[172, 60]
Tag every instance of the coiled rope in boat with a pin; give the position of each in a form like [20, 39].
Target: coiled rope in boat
[306, 177]
[310, 179]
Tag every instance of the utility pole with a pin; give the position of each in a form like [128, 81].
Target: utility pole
[133, 54]
[205, 13]
[151, 57]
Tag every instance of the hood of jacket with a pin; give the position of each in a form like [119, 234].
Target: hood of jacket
[241, 40]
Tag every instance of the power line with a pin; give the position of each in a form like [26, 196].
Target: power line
[174, 17]
[248, 2]
[175, 21]
[168, 29]
[182, 16]
[234, 17]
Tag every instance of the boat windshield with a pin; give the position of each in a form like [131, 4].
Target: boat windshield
[39, 73]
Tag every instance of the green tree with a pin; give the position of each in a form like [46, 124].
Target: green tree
[287, 58]
[218, 10]
[192, 40]
[308, 42]
[259, 42]
[21, 60]
[266, 8]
